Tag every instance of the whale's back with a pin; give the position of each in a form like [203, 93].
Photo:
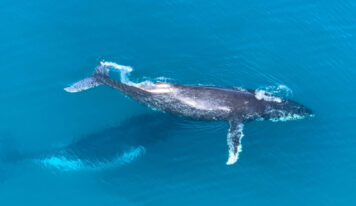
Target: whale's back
[207, 102]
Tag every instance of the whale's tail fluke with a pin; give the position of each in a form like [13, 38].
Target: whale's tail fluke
[90, 82]
[84, 84]
[101, 73]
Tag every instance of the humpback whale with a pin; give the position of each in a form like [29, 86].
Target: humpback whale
[207, 103]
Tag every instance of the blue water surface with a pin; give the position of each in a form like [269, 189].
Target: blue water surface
[100, 148]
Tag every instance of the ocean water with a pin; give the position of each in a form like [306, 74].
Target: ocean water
[100, 148]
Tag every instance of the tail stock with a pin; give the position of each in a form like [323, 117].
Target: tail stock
[101, 72]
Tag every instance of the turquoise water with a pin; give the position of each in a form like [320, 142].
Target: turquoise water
[98, 147]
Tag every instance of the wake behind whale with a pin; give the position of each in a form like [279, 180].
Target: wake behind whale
[205, 103]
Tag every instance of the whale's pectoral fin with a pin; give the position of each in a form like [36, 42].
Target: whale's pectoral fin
[234, 137]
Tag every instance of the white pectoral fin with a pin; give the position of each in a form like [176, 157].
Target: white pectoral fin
[234, 137]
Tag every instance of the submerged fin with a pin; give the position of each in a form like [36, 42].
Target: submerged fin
[234, 137]
[101, 70]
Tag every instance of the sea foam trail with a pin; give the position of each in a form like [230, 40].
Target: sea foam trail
[278, 90]
[124, 74]
[273, 93]
[124, 71]
[263, 95]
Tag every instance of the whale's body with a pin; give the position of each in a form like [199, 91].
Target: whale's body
[208, 103]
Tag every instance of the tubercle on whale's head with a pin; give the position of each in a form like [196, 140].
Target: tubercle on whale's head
[285, 110]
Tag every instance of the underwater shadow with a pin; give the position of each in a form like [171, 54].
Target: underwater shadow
[114, 146]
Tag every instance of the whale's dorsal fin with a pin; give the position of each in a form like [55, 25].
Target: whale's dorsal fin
[234, 137]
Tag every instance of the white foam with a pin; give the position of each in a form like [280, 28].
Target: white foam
[163, 79]
[232, 156]
[287, 117]
[263, 95]
[124, 71]
[117, 66]
[278, 90]
[284, 116]
[148, 86]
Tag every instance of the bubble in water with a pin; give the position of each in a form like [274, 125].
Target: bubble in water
[278, 90]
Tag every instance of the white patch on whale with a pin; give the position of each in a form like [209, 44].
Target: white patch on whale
[202, 105]
[189, 101]
[224, 108]
[159, 88]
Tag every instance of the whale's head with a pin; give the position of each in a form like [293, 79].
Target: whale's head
[285, 110]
